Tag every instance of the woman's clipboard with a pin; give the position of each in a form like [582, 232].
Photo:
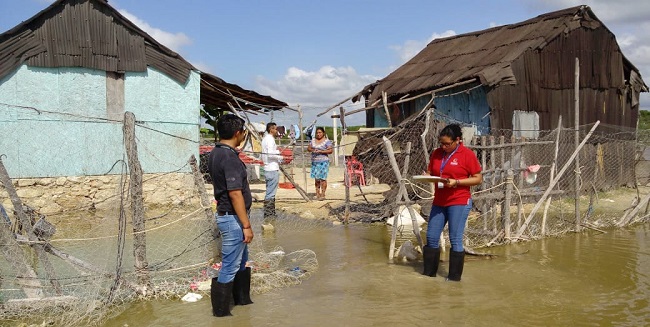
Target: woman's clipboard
[429, 179]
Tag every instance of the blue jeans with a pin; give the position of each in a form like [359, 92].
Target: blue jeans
[456, 216]
[272, 179]
[233, 250]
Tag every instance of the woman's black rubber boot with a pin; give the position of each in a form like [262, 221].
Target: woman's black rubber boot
[431, 257]
[456, 263]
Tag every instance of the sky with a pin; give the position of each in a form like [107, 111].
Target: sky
[314, 54]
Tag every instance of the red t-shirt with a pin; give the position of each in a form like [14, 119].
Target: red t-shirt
[459, 165]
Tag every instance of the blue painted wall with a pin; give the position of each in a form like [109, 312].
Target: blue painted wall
[69, 134]
[468, 107]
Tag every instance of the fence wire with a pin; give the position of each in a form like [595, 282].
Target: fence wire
[84, 223]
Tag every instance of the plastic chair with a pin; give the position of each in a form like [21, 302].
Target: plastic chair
[355, 171]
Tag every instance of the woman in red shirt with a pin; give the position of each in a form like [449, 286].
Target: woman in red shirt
[452, 201]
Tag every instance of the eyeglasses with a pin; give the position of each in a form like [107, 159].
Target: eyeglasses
[445, 144]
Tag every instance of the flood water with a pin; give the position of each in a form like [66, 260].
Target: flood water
[590, 279]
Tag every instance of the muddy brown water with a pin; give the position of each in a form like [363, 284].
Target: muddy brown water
[589, 279]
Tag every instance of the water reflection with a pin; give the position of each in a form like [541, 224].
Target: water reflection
[588, 279]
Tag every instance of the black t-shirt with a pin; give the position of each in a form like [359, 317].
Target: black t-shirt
[228, 173]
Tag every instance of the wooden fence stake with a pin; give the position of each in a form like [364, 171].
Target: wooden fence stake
[557, 178]
[506, 205]
[137, 202]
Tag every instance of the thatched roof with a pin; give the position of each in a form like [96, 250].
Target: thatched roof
[485, 56]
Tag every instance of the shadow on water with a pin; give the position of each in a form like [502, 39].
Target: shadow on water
[582, 279]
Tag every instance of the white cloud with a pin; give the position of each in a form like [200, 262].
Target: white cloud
[174, 41]
[321, 88]
[203, 66]
[611, 11]
[410, 48]
[315, 91]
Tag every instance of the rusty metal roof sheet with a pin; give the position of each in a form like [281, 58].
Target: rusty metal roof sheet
[92, 34]
[216, 91]
[484, 55]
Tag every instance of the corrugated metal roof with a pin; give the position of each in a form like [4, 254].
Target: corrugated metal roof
[92, 34]
[216, 91]
[484, 55]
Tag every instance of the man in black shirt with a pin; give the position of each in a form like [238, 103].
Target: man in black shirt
[233, 195]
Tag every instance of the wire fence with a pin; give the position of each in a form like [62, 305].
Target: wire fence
[77, 249]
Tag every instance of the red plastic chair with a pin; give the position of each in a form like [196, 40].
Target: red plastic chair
[355, 171]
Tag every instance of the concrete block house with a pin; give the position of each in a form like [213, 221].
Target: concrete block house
[67, 76]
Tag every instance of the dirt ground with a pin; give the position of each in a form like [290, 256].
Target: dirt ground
[291, 201]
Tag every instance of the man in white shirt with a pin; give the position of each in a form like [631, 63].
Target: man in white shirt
[271, 158]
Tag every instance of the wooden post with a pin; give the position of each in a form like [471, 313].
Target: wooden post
[27, 225]
[137, 202]
[385, 99]
[557, 178]
[423, 136]
[553, 164]
[493, 180]
[302, 149]
[414, 221]
[400, 195]
[522, 165]
[577, 143]
[502, 142]
[506, 205]
[485, 185]
[347, 182]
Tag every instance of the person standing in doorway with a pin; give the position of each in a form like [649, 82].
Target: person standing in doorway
[320, 148]
[271, 158]
[233, 195]
[452, 201]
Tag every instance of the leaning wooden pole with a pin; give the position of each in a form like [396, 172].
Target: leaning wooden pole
[409, 207]
[402, 198]
[27, 225]
[553, 165]
[391, 157]
[137, 202]
[557, 178]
